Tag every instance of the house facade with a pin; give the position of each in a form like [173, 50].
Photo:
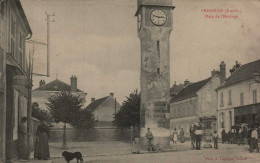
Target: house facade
[15, 79]
[104, 110]
[197, 102]
[238, 97]
[44, 91]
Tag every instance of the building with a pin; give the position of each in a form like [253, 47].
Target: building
[41, 94]
[154, 22]
[104, 110]
[15, 77]
[238, 97]
[175, 89]
[197, 102]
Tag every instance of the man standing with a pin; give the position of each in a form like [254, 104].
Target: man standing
[215, 138]
[192, 135]
[198, 135]
[149, 137]
[254, 140]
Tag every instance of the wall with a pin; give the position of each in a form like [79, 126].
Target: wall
[208, 98]
[3, 27]
[97, 134]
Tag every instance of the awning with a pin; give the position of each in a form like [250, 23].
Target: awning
[248, 109]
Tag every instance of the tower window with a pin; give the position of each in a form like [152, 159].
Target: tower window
[158, 70]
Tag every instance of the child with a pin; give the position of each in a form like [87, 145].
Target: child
[215, 138]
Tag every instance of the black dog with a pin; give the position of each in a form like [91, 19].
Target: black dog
[70, 156]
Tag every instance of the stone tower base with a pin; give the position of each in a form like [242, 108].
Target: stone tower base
[161, 137]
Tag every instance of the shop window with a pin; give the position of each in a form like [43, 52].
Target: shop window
[254, 96]
[242, 98]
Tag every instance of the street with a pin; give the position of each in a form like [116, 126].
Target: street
[180, 153]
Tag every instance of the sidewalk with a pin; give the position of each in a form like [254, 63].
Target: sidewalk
[91, 149]
[35, 161]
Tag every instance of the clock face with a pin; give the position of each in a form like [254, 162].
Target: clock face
[158, 17]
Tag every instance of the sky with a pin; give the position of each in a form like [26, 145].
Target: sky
[97, 41]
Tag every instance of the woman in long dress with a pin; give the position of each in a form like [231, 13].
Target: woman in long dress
[23, 150]
[182, 139]
[41, 150]
[175, 136]
[136, 141]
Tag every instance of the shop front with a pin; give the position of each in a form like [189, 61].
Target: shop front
[249, 114]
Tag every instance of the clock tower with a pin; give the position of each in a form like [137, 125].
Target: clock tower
[154, 25]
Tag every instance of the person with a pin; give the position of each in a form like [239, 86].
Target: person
[198, 135]
[41, 150]
[149, 137]
[182, 138]
[23, 149]
[254, 140]
[192, 135]
[136, 141]
[223, 136]
[229, 137]
[249, 132]
[175, 136]
[215, 138]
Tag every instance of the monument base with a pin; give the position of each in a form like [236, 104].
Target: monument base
[161, 138]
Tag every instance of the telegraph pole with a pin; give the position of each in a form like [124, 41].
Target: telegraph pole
[48, 40]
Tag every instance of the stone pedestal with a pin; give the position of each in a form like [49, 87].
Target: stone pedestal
[161, 136]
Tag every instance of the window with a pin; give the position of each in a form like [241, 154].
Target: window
[222, 124]
[21, 42]
[230, 118]
[158, 71]
[2, 8]
[242, 98]
[13, 26]
[254, 96]
[229, 97]
[221, 99]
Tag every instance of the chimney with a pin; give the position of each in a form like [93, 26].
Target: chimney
[186, 82]
[256, 76]
[112, 94]
[214, 72]
[175, 84]
[42, 83]
[222, 73]
[92, 99]
[73, 83]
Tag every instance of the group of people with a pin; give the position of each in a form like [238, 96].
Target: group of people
[41, 150]
[238, 136]
[175, 136]
[196, 136]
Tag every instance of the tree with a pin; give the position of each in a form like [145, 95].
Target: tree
[129, 114]
[40, 114]
[64, 107]
[84, 120]
[235, 67]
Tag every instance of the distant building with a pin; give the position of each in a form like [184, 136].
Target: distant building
[104, 110]
[175, 89]
[197, 102]
[15, 82]
[238, 97]
[44, 91]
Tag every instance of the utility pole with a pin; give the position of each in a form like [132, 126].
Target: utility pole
[48, 40]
